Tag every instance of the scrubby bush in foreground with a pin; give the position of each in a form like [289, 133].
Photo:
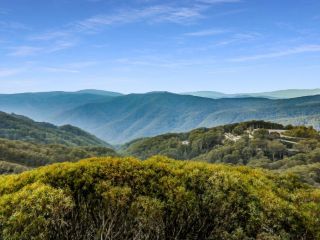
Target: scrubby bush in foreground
[125, 198]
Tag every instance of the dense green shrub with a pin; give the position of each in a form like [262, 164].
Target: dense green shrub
[125, 198]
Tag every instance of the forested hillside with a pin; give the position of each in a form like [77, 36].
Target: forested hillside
[9, 168]
[34, 155]
[25, 144]
[120, 118]
[140, 115]
[257, 143]
[124, 198]
[16, 127]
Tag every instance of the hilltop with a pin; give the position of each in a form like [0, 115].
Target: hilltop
[25, 144]
[17, 127]
[256, 143]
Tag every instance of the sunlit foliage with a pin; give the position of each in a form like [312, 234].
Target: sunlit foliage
[125, 198]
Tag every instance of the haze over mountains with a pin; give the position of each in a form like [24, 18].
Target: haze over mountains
[118, 118]
[17, 127]
[281, 94]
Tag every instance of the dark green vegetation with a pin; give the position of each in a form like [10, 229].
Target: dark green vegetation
[43, 143]
[119, 119]
[282, 94]
[35, 155]
[114, 198]
[138, 115]
[257, 143]
[16, 127]
[8, 168]
[159, 198]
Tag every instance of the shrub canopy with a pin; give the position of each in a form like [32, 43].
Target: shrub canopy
[160, 198]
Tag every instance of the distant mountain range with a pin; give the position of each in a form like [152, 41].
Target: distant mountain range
[281, 94]
[100, 92]
[121, 118]
[44, 106]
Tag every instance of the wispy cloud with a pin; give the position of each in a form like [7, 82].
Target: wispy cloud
[74, 67]
[219, 1]
[59, 70]
[25, 50]
[185, 14]
[7, 72]
[22, 51]
[9, 25]
[282, 53]
[159, 13]
[59, 45]
[238, 38]
[163, 62]
[97, 23]
[51, 35]
[207, 32]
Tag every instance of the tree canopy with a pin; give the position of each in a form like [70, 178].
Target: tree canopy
[160, 198]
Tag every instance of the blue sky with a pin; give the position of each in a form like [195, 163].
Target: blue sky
[149, 45]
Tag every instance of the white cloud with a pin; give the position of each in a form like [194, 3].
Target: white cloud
[74, 67]
[23, 51]
[58, 46]
[218, 1]
[207, 32]
[7, 72]
[59, 70]
[163, 62]
[79, 65]
[50, 35]
[238, 38]
[153, 14]
[160, 13]
[176, 12]
[282, 53]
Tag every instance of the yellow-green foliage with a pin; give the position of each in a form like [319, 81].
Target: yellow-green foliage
[160, 198]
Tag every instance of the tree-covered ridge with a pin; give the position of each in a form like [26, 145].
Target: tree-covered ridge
[28, 155]
[192, 144]
[124, 198]
[16, 127]
[9, 168]
[132, 116]
[256, 143]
